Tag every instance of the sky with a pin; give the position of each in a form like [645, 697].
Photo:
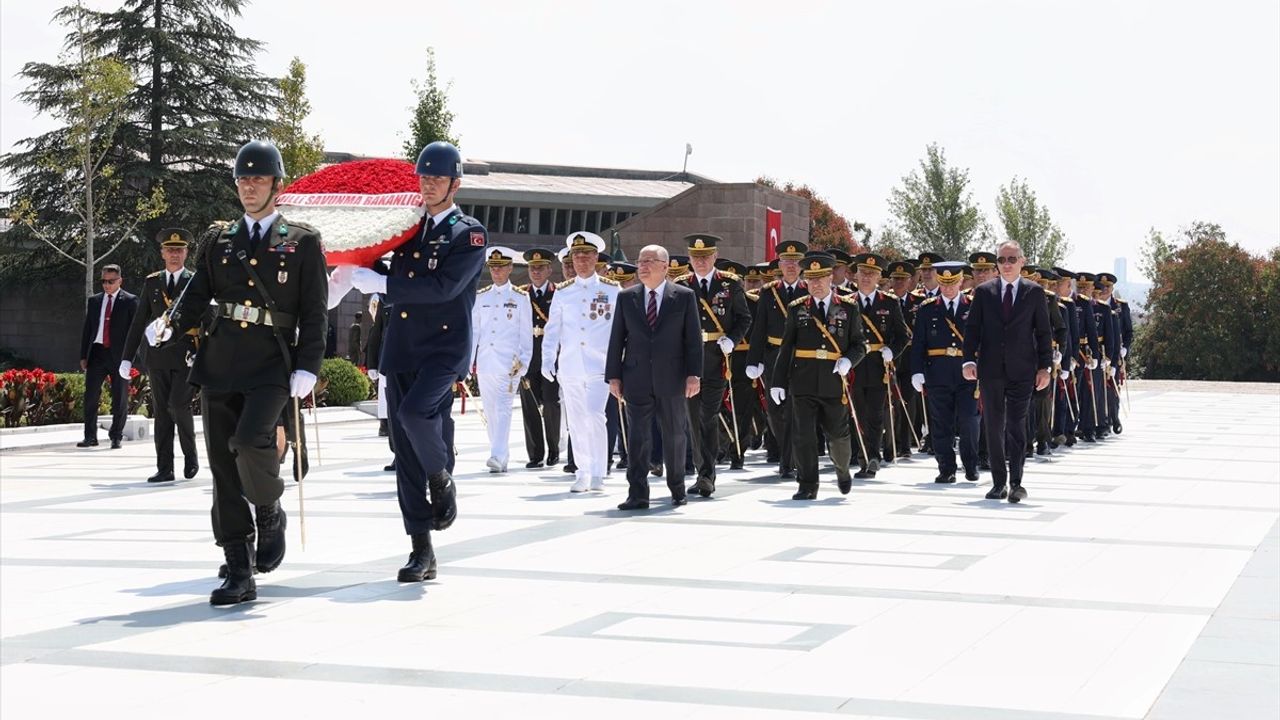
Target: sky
[1122, 116]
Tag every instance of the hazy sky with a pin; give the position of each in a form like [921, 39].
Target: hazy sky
[1121, 115]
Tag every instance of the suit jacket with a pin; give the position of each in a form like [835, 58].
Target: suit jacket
[122, 312]
[655, 362]
[1011, 351]
[153, 302]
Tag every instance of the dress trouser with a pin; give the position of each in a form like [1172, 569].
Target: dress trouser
[240, 439]
[953, 410]
[832, 416]
[869, 401]
[99, 368]
[704, 420]
[419, 403]
[171, 404]
[584, 400]
[668, 413]
[497, 392]
[541, 430]
[1004, 412]
[780, 419]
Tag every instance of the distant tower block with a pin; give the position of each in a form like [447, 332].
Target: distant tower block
[1122, 270]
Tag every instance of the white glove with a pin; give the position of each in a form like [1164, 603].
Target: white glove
[843, 366]
[339, 284]
[887, 354]
[726, 345]
[755, 371]
[1124, 352]
[1064, 375]
[1111, 371]
[1057, 358]
[1093, 364]
[368, 281]
[778, 394]
[373, 374]
[550, 375]
[917, 382]
[158, 331]
[125, 367]
[301, 383]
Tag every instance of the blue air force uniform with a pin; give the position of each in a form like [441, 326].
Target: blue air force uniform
[937, 352]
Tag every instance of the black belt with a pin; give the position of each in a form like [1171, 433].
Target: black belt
[249, 315]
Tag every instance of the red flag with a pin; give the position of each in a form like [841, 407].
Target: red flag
[772, 233]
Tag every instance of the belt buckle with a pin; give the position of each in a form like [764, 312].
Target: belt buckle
[244, 313]
[953, 352]
[820, 354]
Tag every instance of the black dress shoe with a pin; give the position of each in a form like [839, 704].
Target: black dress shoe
[570, 468]
[803, 494]
[772, 459]
[115, 444]
[238, 586]
[1042, 448]
[1087, 437]
[1017, 494]
[868, 472]
[162, 477]
[422, 560]
[389, 468]
[704, 487]
[735, 465]
[984, 464]
[190, 468]
[945, 479]
[444, 500]
[634, 505]
[997, 493]
[622, 464]
[971, 475]
[87, 443]
[1116, 427]
[787, 474]
[655, 469]
[553, 460]
[679, 501]
[533, 464]
[271, 523]
[845, 484]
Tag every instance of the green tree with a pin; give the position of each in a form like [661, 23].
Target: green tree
[197, 99]
[302, 153]
[1268, 314]
[93, 107]
[827, 228]
[892, 245]
[432, 120]
[1027, 222]
[935, 209]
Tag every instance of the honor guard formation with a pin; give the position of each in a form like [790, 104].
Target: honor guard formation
[679, 366]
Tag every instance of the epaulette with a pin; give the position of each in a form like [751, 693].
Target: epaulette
[157, 273]
[564, 283]
[930, 300]
[607, 281]
[752, 295]
[771, 284]
[798, 301]
[468, 219]
[682, 278]
[887, 293]
[484, 289]
[285, 224]
[729, 275]
[524, 287]
[519, 290]
[918, 293]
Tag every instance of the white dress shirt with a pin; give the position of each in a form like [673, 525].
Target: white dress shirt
[662, 286]
[102, 313]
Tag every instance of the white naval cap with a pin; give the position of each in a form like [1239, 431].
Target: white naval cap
[584, 239]
[498, 256]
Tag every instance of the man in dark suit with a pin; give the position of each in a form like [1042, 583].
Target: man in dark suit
[106, 328]
[1007, 350]
[654, 365]
[168, 366]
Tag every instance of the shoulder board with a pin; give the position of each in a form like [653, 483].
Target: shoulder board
[683, 278]
[467, 219]
[519, 290]
[844, 291]
[484, 289]
[918, 293]
[524, 287]
[228, 227]
[564, 284]
[752, 295]
[798, 301]
[728, 275]
[607, 281]
[888, 294]
[157, 273]
[770, 284]
[930, 301]
[1063, 303]
[287, 225]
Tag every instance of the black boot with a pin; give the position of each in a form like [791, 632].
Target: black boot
[239, 586]
[383, 431]
[271, 523]
[422, 561]
[444, 500]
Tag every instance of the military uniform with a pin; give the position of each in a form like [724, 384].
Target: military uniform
[746, 402]
[502, 337]
[167, 366]
[766, 340]
[822, 340]
[1123, 333]
[937, 361]
[539, 397]
[907, 407]
[1040, 420]
[884, 329]
[1087, 353]
[1109, 349]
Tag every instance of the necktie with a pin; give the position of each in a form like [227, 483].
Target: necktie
[537, 294]
[651, 311]
[704, 287]
[1007, 308]
[106, 323]
[790, 293]
[866, 304]
[170, 287]
[822, 311]
[255, 239]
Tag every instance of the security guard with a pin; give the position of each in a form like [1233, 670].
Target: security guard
[722, 311]
[539, 399]
[574, 349]
[502, 348]
[167, 366]
[907, 406]
[766, 340]
[886, 337]
[821, 342]
[937, 355]
[1123, 321]
[266, 279]
[426, 348]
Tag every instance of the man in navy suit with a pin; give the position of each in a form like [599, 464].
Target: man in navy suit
[106, 328]
[1007, 350]
[654, 364]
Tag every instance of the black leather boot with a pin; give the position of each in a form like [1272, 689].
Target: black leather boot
[271, 523]
[239, 586]
[422, 561]
[444, 500]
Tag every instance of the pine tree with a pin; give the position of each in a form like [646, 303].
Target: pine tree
[432, 119]
[301, 152]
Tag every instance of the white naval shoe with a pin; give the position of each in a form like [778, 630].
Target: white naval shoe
[495, 466]
[597, 483]
[580, 485]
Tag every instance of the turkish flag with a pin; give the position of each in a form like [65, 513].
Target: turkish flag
[772, 233]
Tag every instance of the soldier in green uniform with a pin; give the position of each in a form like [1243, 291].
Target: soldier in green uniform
[766, 340]
[265, 278]
[740, 386]
[907, 406]
[167, 367]
[886, 335]
[821, 343]
[539, 398]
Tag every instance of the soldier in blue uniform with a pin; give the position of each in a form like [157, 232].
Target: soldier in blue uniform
[426, 348]
[1124, 337]
[1089, 351]
[937, 357]
[907, 405]
[1108, 357]
[1064, 380]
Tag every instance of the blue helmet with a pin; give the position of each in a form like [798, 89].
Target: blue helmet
[259, 157]
[441, 159]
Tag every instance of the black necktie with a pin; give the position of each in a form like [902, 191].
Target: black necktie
[822, 311]
[171, 286]
[537, 294]
[791, 293]
[866, 304]
[255, 238]
[704, 287]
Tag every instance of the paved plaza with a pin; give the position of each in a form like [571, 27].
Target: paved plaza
[1141, 579]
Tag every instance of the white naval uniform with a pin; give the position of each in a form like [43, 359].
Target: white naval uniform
[577, 333]
[502, 347]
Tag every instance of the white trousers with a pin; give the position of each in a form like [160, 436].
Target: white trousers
[497, 411]
[382, 396]
[584, 401]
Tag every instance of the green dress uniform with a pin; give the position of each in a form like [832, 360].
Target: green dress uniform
[884, 328]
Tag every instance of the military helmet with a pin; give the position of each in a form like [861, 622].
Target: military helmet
[259, 158]
[440, 159]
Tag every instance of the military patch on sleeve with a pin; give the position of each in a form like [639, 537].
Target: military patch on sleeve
[477, 238]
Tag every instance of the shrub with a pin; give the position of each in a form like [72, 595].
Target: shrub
[344, 383]
[34, 397]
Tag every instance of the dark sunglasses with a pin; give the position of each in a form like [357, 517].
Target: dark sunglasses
[1007, 259]
[110, 281]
